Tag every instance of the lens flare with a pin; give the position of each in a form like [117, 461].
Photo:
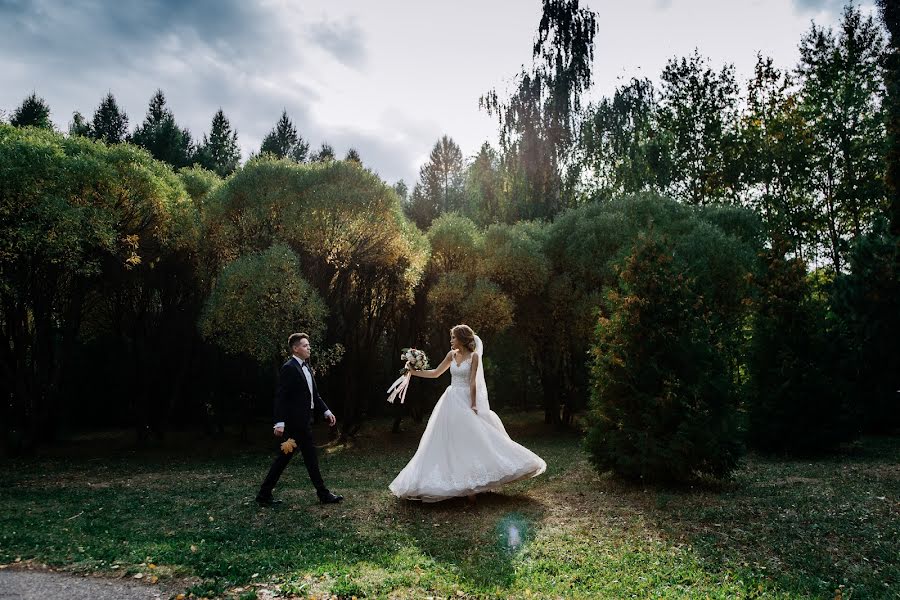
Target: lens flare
[512, 531]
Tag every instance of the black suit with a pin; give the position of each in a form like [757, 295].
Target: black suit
[293, 405]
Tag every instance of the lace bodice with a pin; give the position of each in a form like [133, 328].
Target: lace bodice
[459, 375]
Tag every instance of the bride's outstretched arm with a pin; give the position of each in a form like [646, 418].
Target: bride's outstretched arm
[438, 370]
[472, 379]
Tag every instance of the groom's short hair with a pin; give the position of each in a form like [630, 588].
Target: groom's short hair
[295, 338]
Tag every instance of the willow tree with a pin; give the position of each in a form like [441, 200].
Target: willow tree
[72, 213]
[354, 247]
[539, 120]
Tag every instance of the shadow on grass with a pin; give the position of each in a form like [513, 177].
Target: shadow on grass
[792, 527]
[784, 527]
[480, 541]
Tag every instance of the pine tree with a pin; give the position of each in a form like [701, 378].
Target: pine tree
[663, 406]
[33, 112]
[162, 137]
[284, 141]
[220, 152]
[441, 186]
[110, 123]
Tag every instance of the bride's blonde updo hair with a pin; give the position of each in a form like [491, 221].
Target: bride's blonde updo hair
[465, 336]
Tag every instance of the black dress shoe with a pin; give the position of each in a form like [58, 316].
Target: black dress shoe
[329, 498]
[267, 501]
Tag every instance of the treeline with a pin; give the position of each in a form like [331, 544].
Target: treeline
[159, 133]
[690, 268]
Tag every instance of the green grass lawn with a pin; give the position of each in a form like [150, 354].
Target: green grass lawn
[782, 529]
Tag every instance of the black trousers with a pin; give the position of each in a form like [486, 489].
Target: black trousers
[304, 439]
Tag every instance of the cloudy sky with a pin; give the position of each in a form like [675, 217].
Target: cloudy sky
[386, 77]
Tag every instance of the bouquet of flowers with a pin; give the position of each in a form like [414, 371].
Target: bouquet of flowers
[415, 361]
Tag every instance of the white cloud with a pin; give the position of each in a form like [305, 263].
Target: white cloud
[388, 78]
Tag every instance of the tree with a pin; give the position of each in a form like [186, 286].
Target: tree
[622, 144]
[698, 112]
[440, 186]
[199, 183]
[325, 154]
[584, 246]
[110, 123]
[353, 156]
[775, 150]
[402, 191]
[284, 141]
[220, 152]
[793, 400]
[74, 216]
[33, 112]
[480, 303]
[842, 82]
[254, 302]
[79, 126]
[514, 258]
[866, 301]
[663, 405]
[484, 188]
[455, 242]
[890, 14]
[537, 123]
[354, 246]
[162, 137]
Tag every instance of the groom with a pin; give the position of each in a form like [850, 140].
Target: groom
[295, 400]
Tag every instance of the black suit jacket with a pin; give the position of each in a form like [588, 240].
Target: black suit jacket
[292, 399]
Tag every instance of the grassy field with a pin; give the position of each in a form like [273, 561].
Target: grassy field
[185, 512]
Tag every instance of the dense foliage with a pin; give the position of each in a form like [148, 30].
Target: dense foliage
[688, 265]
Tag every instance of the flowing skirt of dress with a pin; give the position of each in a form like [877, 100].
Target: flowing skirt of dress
[463, 453]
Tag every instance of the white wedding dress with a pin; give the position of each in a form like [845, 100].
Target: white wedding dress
[462, 452]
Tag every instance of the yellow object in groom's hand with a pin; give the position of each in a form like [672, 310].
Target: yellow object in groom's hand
[288, 446]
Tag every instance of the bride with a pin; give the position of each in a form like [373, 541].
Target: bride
[465, 448]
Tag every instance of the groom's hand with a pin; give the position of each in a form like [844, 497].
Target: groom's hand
[332, 420]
